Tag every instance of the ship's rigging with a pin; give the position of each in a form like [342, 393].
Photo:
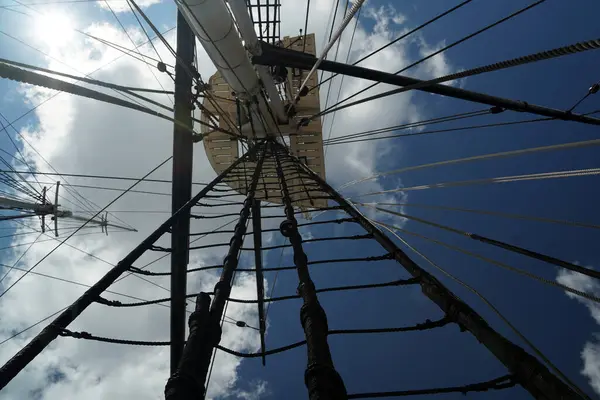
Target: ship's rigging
[262, 127]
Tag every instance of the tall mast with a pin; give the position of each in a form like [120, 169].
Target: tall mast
[182, 184]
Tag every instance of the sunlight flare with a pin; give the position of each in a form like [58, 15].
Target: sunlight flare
[55, 28]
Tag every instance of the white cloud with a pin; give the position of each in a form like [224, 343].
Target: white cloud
[258, 391]
[591, 364]
[82, 136]
[590, 354]
[435, 66]
[122, 7]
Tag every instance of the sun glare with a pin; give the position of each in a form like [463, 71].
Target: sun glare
[55, 29]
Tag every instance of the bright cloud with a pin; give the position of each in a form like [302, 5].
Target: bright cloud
[590, 354]
[122, 7]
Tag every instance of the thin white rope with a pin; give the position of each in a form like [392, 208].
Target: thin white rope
[501, 179]
[486, 212]
[353, 10]
[504, 154]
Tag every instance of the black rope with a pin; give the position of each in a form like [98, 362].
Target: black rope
[20, 75]
[208, 246]
[341, 85]
[308, 198]
[332, 221]
[281, 246]
[544, 55]
[328, 261]
[81, 227]
[337, 3]
[465, 128]
[400, 282]
[211, 232]
[411, 125]
[503, 382]
[220, 204]
[399, 38]
[88, 336]
[223, 190]
[418, 327]
[305, 26]
[160, 248]
[506, 246]
[303, 185]
[428, 324]
[217, 196]
[592, 90]
[120, 178]
[141, 270]
[470, 36]
[196, 216]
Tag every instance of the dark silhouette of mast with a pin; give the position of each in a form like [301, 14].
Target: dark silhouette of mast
[183, 150]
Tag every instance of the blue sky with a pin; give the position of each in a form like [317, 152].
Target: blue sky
[558, 325]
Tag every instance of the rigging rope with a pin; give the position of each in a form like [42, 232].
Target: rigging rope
[502, 154]
[336, 3]
[79, 227]
[32, 326]
[410, 125]
[144, 30]
[353, 10]
[494, 213]
[500, 179]
[515, 249]
[341, 80]
[19, 259]
[428, 324]
[272, 291]
[400, 282]
[593, 44]
[399, 38]
[59, 92]
[305, 25]
[503, 382]
[56, 59]
[20, 75]
[470, 36]
[80, 284]
[592, 90]
[267, 269]
[464, 128]
[119, 178]
[141, 270]
[77, 230]
[127, 89]
[500, 264]
[514, 329]
[23, 161]
[74, 193]
[64, 308]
